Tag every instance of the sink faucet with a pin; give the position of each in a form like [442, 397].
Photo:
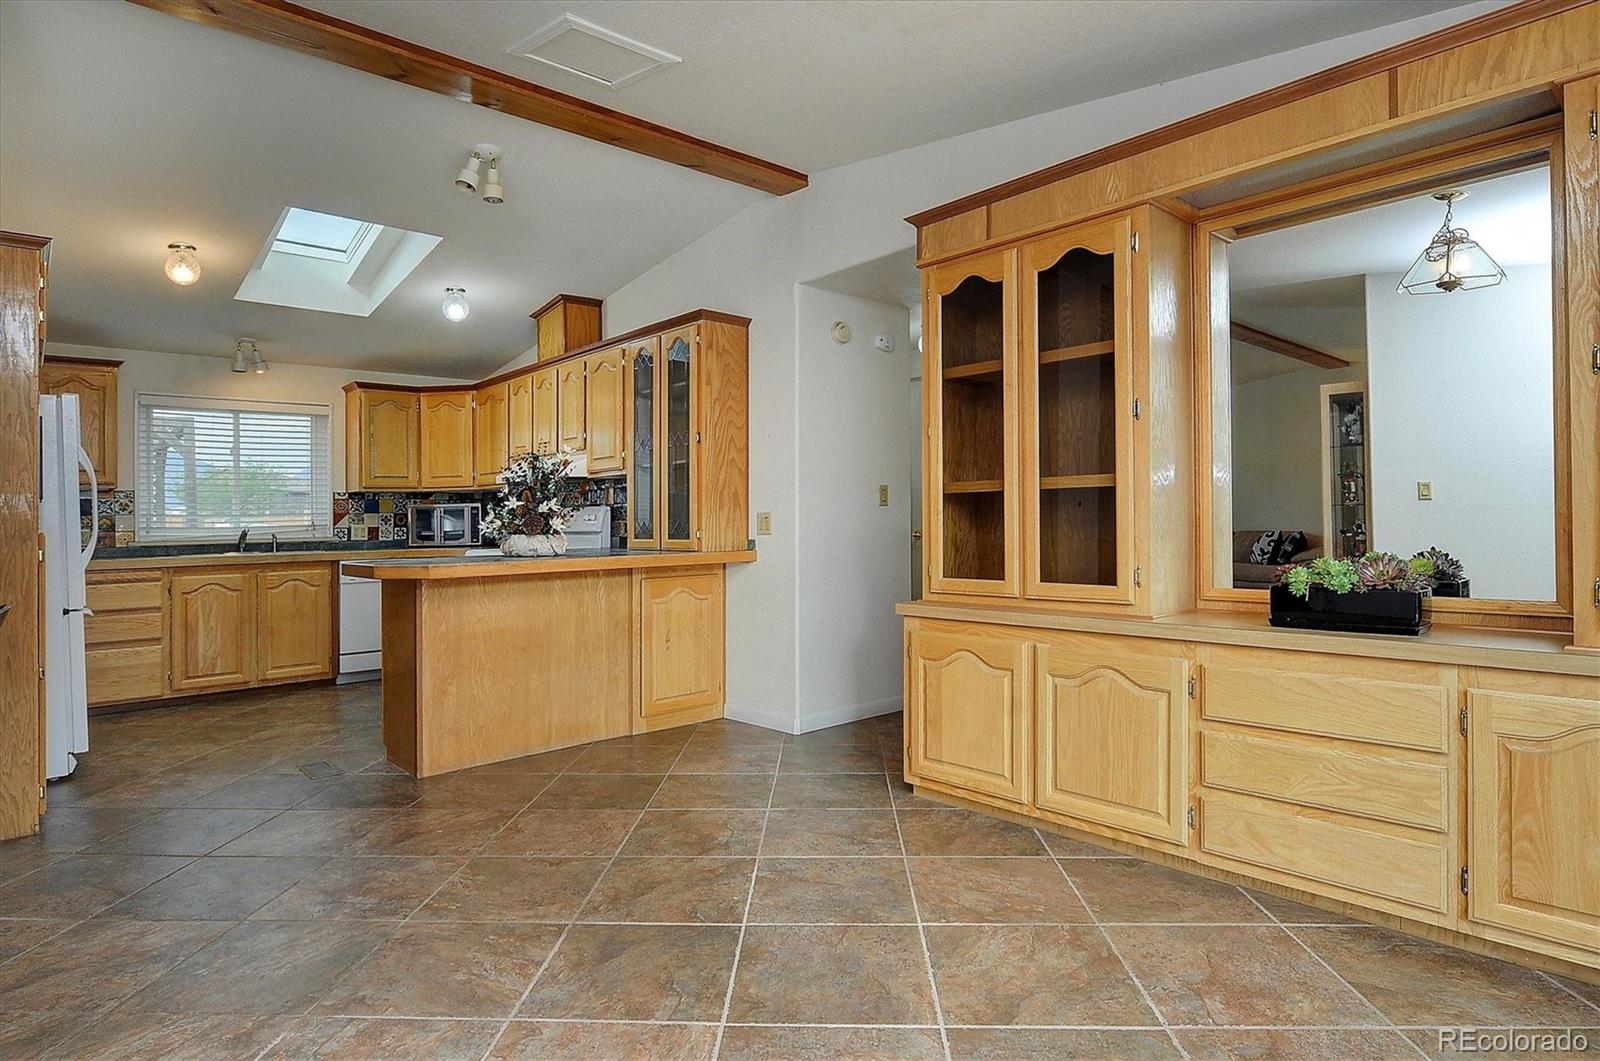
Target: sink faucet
[274, 543]
[239, 547]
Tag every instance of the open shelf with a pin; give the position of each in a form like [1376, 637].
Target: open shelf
[975, 486]
[1074, 353]
[976, 370]
[1076, 482]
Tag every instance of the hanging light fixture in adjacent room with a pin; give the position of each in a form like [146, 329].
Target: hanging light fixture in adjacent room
[183, 264]
[455, 304]
[1452, 261]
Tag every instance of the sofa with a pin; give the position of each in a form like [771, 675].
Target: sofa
[1260, 576]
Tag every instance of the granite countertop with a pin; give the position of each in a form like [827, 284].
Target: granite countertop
[418, 568]
[155, 557]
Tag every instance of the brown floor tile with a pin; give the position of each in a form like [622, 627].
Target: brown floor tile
[308, 832]
[1209, 975]
[636, 972]
[20, 935]
[714, 758]
[831, 759]
[372, 1039]
[444, 970]
[635, 759]
[727, 732]
[129, 1035]
[435, 831]
[862, 734]
[100, 961]
[550, 1041]
[1129, 889]
[29, 1033]
[82, 885]
[838, 791]
[712, 791]
[1293, 913]
[831, 832]
[756, 1043]
[1066, 847]
[537, 831]
[1346, 1044]
[688, 890]
[1588, 992]
[832, 890]
[1008, 1044]
[65, 829]
[837, 974]
[183, 832]
[474, 788]
[963, 832]
[994, 891]
[515, 889]
[676, 737]
[263, 967]
[599, 791]
[361, 889]
[172, 788]
[23, 855]
[1414, 981]
[269, 791]
[215, 889]
[696, 832]
[1033, 974]
[368, 790]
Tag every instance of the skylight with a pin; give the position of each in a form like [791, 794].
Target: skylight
[316, 235]
[332, 264]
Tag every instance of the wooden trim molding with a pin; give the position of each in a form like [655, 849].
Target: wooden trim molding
[556, 300]
[1386, 61]
[92, 362]
[1277, 344]
[348, 44]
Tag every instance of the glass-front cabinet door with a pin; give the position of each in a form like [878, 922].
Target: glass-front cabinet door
[678, 438]
[642, 359]
[1076, 430]
[970, 362]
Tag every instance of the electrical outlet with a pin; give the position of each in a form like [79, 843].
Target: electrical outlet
[763, 523]
[883, 495]
[1424, 491]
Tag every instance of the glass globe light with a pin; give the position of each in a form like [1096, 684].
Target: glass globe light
[183, 264]
[455, 304]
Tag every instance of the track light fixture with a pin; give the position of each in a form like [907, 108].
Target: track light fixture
[246, 349]
[183, 264]
[472, 177]
[493, 191]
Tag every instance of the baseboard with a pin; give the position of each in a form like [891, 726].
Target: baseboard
[853, 713]
[765, 717]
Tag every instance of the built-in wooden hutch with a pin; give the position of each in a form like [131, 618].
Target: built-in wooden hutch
[1081, 659]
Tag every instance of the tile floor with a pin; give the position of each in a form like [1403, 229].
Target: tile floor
[249, 878]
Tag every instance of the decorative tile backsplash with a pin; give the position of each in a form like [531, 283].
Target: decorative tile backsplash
[374, 516]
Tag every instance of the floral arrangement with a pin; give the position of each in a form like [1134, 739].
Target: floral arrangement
[1371, 571]
[537, 496]
[1438, 565]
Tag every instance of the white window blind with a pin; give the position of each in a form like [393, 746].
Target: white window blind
[210, 467]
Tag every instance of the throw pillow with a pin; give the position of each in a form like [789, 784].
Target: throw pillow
[1293, 543]
[1264, 548]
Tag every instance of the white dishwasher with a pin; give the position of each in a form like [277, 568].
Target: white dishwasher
[360, 628]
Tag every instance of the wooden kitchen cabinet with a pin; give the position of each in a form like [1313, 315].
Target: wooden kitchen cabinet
[969, 707]
[124, 636]
[95, 384]
[545, 410]
[571, 394]
[212, 630]
[566, 323]
[1112, 746]
[680, 647]
[519, 414]
[447, 437]
[294, 623]
[382, 438]
[492, 432]
[603, 412]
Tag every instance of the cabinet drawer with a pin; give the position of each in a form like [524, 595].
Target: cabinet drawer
[1314, 773]
[1405, 706]
[124, 594]
[108, 628]
[1321, 850]
[117, 674]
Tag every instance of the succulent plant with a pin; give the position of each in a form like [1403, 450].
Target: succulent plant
[1442, 567]
[1336, 575]
[1377, 570]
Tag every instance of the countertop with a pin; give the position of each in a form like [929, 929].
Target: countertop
[416, 568]
[288, 556]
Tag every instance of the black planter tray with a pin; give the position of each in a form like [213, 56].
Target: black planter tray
[1377, 611]
[1460, 588]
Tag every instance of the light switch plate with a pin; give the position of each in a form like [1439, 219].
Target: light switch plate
[763, 523]
[883, 495]
[1424, 491]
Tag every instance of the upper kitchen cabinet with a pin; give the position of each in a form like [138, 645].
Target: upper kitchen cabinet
[571, 427]
[639, 367]
[603, 412]
[566, 323]
[95, 384]
[519, 413]
[492, 432]
[382, 438]
[545, 409]
[447, 453]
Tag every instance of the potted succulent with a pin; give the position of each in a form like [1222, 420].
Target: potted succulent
[1379, 593]
[535, 505]
[1446, 573]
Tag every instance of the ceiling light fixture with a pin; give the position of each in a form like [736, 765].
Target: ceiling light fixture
[258, 364]
[455, 304]
[240, 349]
[467, 179]
[183, 264]
[471, 175]
[493, 191]
[1452, 260]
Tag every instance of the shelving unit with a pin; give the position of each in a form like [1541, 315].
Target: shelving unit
[1346, 506]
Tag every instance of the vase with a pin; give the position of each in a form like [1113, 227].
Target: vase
[534, 544]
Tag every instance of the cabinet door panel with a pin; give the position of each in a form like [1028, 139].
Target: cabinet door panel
[603, 411]
[492, 435]
[545, 410]
[969, 706]
[644, 531]
[680, 627]
[212, 630]
[389, 440]
[519, 412]
[1534, 801]
[1112, 736]
[447, 458]
[294, 623]
[96, 389]
[572, 431]
[679, 438]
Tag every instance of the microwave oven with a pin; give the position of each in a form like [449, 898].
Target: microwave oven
[448, 525]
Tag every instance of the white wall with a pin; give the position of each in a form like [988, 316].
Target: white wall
[1277, 449]
[852, 214]
[213, 377]
[1460, 396]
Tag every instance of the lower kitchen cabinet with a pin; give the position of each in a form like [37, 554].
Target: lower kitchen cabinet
[968, 707]
[680, 647]
[1113, 734]
[213, 644]
[294, 623]
[124, 636]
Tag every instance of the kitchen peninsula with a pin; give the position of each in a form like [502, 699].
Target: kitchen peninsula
[490, 658]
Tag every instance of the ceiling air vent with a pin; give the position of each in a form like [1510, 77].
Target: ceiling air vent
[592, 52]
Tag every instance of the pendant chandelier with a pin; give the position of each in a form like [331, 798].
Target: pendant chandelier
[1452, 261]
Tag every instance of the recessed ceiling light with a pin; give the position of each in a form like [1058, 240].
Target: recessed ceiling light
[594, 53]
[183, 264]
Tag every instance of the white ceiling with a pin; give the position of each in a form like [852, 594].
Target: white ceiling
[824, 82]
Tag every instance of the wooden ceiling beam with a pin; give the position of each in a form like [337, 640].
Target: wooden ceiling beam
[313, 33]
[1277, 344]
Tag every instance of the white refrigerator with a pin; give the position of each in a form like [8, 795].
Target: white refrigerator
[66, 557]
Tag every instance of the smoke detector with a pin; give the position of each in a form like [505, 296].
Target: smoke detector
[594, 53]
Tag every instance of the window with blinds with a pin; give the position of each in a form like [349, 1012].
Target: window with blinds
[210, 467]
